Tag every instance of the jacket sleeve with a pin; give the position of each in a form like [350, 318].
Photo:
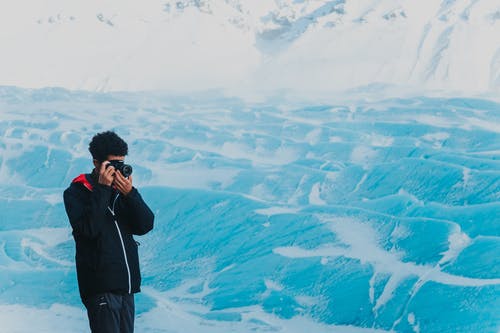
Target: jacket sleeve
[87, 216]
[140, 218]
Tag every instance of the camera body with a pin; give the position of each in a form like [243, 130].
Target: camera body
[125, 169]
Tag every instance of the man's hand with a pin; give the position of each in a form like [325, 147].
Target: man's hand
[106, 175]
[122, 184]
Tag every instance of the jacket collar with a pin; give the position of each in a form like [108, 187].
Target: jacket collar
[86, 180]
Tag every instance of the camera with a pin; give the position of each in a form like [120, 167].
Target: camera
[125, 169]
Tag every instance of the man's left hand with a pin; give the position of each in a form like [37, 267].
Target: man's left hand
[122, 184]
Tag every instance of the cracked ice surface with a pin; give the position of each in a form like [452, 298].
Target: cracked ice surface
[349, 217]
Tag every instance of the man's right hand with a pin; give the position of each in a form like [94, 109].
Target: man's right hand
[106, 175]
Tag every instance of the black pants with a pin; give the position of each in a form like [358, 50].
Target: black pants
[111, 313]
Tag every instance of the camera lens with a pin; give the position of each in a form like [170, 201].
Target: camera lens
[126, 170]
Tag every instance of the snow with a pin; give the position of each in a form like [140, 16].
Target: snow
[250, 48]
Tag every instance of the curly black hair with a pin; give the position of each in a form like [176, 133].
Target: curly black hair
[107, 143]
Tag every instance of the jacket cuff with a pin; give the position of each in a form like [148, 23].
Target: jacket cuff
[104, 187]
[133, 193]
[104, 190]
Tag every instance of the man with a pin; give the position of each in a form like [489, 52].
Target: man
[105, 210]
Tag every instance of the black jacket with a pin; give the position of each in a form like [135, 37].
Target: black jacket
[103, 222]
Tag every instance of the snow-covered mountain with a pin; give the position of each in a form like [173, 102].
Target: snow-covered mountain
[248, 45]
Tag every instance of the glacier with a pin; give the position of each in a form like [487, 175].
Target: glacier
[314, 165]
[362, 216]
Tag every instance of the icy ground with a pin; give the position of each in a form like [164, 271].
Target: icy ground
[271, 217]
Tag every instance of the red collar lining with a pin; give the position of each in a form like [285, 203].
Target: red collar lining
[84, 181]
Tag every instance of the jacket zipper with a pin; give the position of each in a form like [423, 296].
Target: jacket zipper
[123, 244]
